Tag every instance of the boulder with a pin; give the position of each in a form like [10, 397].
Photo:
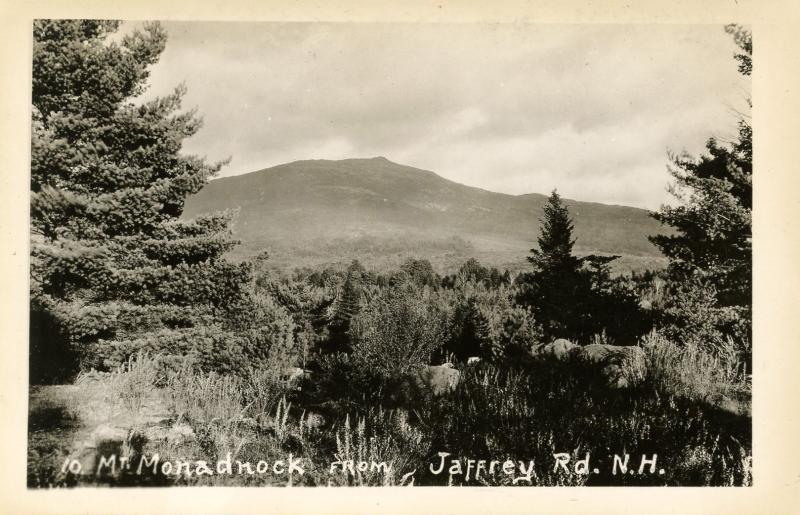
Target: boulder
[173, 436]
[561, 350]
[438, 380]
[293, 376]
[425, 380]
[620, 367]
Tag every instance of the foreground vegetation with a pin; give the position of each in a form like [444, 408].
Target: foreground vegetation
[528, 413]
[358, 334]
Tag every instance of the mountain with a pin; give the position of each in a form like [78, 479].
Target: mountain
[322, 212]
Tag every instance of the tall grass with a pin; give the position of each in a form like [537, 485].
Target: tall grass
[205, 397]
[695, 373]
[122, 392]
[526, 413]
[380, 437]
[208, 396]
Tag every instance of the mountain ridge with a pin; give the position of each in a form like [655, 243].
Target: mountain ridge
[318, 203]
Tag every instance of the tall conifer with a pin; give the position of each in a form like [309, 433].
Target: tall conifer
[111, 259]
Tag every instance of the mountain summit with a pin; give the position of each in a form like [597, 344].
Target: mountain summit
[321, 211]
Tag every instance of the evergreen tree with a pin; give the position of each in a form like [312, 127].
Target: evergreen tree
[471, 334]
[111, 260]
[348, 304]
[421, 272]
[555, 240]
[556, 289]
[473, 270]
[711, 248]
[575, 297]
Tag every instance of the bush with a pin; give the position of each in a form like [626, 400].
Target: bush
[257, 333]
[487, 322]
[400, 328]
[513, 334]
[342, 385]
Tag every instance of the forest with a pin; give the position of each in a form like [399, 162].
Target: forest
[147, 339]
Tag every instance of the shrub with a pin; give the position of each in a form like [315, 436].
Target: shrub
[691, 315]
[400, 328]
[515, 335]
[260, 334]
[343, 384]
[530, 413]
[487, 322]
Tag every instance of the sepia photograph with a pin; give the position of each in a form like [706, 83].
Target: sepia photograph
[330, 254]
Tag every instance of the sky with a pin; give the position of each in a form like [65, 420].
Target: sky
[592, 110]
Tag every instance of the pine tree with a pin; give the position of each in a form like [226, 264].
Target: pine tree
[574, 297]
[556, 289]
[472, 332]
[111, 259]
[711, 249]
[555, 240]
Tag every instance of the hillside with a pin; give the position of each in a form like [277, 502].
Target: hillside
[316, 212]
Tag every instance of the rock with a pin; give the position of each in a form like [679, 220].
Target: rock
[106, 433]
[561, 350]
[439, 380]
[174, 436]
[156, 433]
[474, 360]
[294, 375]
[290, 374]
[423, 381]
[619, 366]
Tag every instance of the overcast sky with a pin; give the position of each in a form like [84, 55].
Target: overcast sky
[589, 109]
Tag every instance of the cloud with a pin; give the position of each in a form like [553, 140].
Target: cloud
[591, 110]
